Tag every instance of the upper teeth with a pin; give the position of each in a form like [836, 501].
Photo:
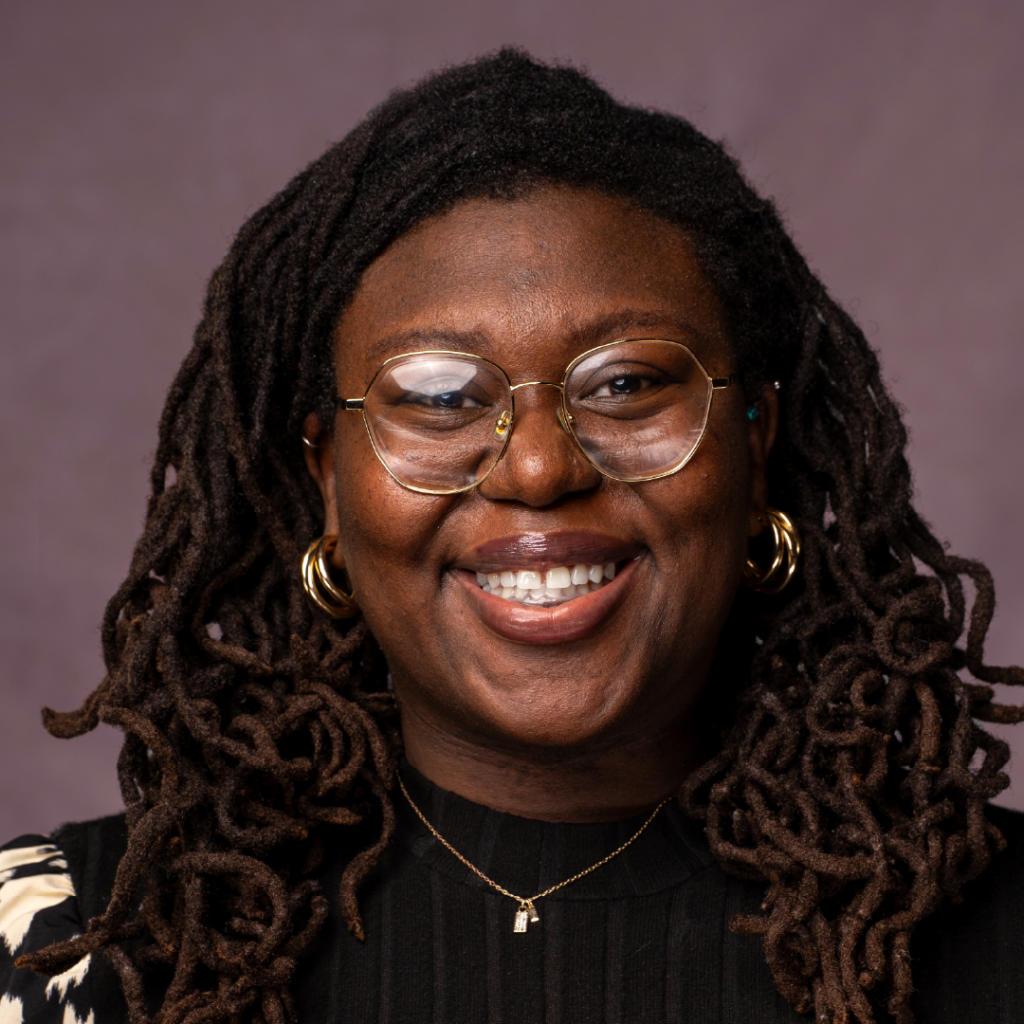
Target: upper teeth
[558, 584]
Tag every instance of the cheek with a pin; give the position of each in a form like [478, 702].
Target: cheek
[702, 516]
[386, 530]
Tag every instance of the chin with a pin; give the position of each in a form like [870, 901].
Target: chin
[551, 713]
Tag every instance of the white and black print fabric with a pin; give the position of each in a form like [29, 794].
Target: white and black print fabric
[37, 907]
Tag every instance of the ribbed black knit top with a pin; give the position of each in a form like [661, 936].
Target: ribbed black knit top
[644, 938]
[628, 942]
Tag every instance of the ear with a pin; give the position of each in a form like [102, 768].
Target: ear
[761, 433]
[319, 450]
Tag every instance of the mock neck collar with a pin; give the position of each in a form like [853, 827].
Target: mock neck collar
[527, 856]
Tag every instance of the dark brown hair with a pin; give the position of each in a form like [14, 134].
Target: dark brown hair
[852, 776]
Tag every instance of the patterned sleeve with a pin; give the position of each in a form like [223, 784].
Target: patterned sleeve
[37, 907]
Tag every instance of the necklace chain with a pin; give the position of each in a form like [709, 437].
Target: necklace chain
[526, 911]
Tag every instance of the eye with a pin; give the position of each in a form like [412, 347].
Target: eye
[440, 394]
[627, 385]
[446, 400]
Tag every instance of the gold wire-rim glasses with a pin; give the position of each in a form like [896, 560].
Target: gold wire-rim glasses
[564, 416]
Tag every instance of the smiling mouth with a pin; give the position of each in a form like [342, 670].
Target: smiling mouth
[549, 588]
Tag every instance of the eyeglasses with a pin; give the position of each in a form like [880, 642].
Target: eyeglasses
[440, 421]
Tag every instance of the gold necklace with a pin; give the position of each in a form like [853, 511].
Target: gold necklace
[527, 912]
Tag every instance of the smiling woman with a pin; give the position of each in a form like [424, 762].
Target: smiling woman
[531, 283]
[535, 613]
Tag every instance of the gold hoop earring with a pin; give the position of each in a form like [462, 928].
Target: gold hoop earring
[784, 557]
[321, 589]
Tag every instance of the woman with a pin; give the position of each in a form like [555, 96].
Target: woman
[443, 695]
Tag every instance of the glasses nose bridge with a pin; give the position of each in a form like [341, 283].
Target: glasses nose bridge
[560, 414]
[536, 384]
[546, 384]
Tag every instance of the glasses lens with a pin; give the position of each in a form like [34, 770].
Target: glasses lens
[438, 420]
[639, 408]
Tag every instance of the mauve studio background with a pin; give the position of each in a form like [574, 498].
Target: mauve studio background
[135, 138]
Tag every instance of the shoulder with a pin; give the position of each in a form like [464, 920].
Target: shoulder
[1011, 824]
[93, 850]
[1003, 880]
[38, 906]
[969, 957]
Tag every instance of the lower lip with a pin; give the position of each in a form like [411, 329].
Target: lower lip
[571, 620]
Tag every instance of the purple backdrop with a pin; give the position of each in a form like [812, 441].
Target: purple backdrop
[136, 138]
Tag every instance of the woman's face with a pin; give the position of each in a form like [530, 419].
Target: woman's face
[530, 285]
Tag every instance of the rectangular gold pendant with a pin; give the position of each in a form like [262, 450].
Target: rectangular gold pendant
[520, 925]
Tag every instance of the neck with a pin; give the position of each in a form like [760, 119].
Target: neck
[602, 783]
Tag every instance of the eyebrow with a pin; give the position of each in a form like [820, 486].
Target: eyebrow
[425, 339]
[612, 327]
[627, 322]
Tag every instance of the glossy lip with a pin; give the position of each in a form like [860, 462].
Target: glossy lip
[544, 550]
[573, 620]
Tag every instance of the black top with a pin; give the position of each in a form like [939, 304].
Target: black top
[644, 938]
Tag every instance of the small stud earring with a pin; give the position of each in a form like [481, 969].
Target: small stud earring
[752, 413]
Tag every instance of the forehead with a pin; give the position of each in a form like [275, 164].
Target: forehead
[530, 283]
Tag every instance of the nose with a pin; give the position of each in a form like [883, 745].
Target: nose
[541, 462]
